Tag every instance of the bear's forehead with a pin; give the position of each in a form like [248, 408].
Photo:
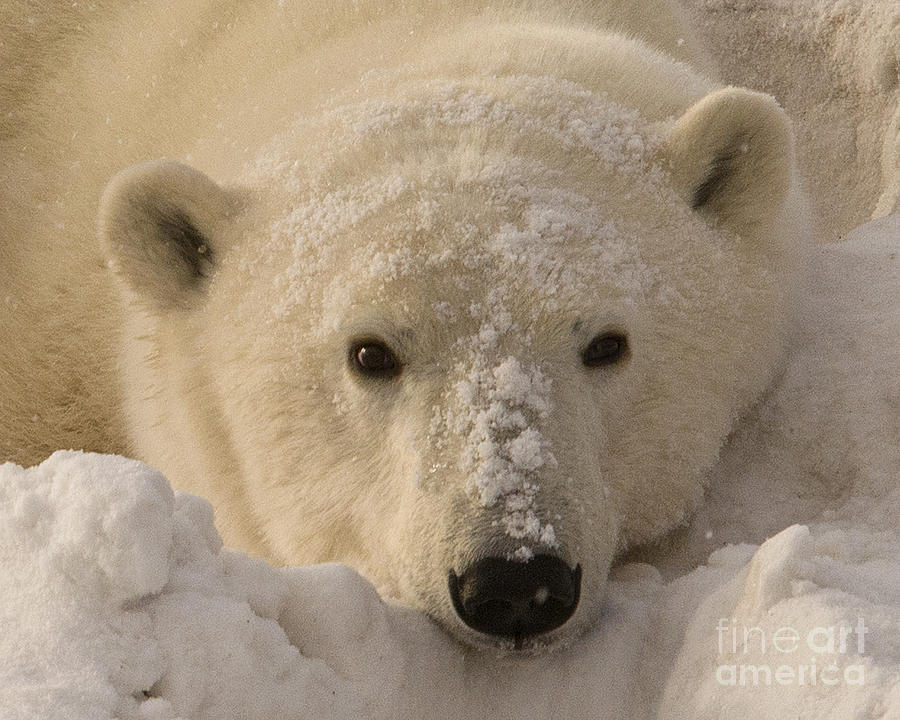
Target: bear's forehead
[457, 195]
[392, 240]
[410, 119]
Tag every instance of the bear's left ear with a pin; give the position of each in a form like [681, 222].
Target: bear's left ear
[160, 223]
[731, 156]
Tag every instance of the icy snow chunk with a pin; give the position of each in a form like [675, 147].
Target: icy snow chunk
[772, 569]
[83, 538]
[228, 637]
[111, 518]
[523, 554]
[786, 633]
[530, 389]
[525, 450]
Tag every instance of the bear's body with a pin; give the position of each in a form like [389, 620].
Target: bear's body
[474, 280]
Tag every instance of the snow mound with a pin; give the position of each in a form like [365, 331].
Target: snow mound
[835, 67]
[117, 600]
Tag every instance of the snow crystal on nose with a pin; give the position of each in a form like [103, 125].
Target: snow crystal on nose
[514, 385]
[501, 447]
[498, 409]
[525, 450]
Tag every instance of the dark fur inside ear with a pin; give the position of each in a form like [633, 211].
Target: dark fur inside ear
[188, 243]
[715, 183]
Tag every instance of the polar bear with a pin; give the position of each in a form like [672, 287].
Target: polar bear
[467, 295]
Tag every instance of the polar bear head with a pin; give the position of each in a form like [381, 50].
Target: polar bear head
[473, 343]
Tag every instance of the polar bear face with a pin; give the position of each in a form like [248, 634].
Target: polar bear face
[474, 357]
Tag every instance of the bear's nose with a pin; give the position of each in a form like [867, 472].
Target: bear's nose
[516, 599]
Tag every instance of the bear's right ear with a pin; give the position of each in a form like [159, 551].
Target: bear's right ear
[731, 156]
[159, 225]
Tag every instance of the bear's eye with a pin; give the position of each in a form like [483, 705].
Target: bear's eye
[373, 358]
[605, 349]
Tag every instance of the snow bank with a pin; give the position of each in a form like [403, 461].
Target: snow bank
[835, 67]
[117, 600]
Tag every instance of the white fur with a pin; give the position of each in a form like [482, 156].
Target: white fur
[506, 185]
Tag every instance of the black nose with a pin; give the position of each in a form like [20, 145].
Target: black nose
[516, 599]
